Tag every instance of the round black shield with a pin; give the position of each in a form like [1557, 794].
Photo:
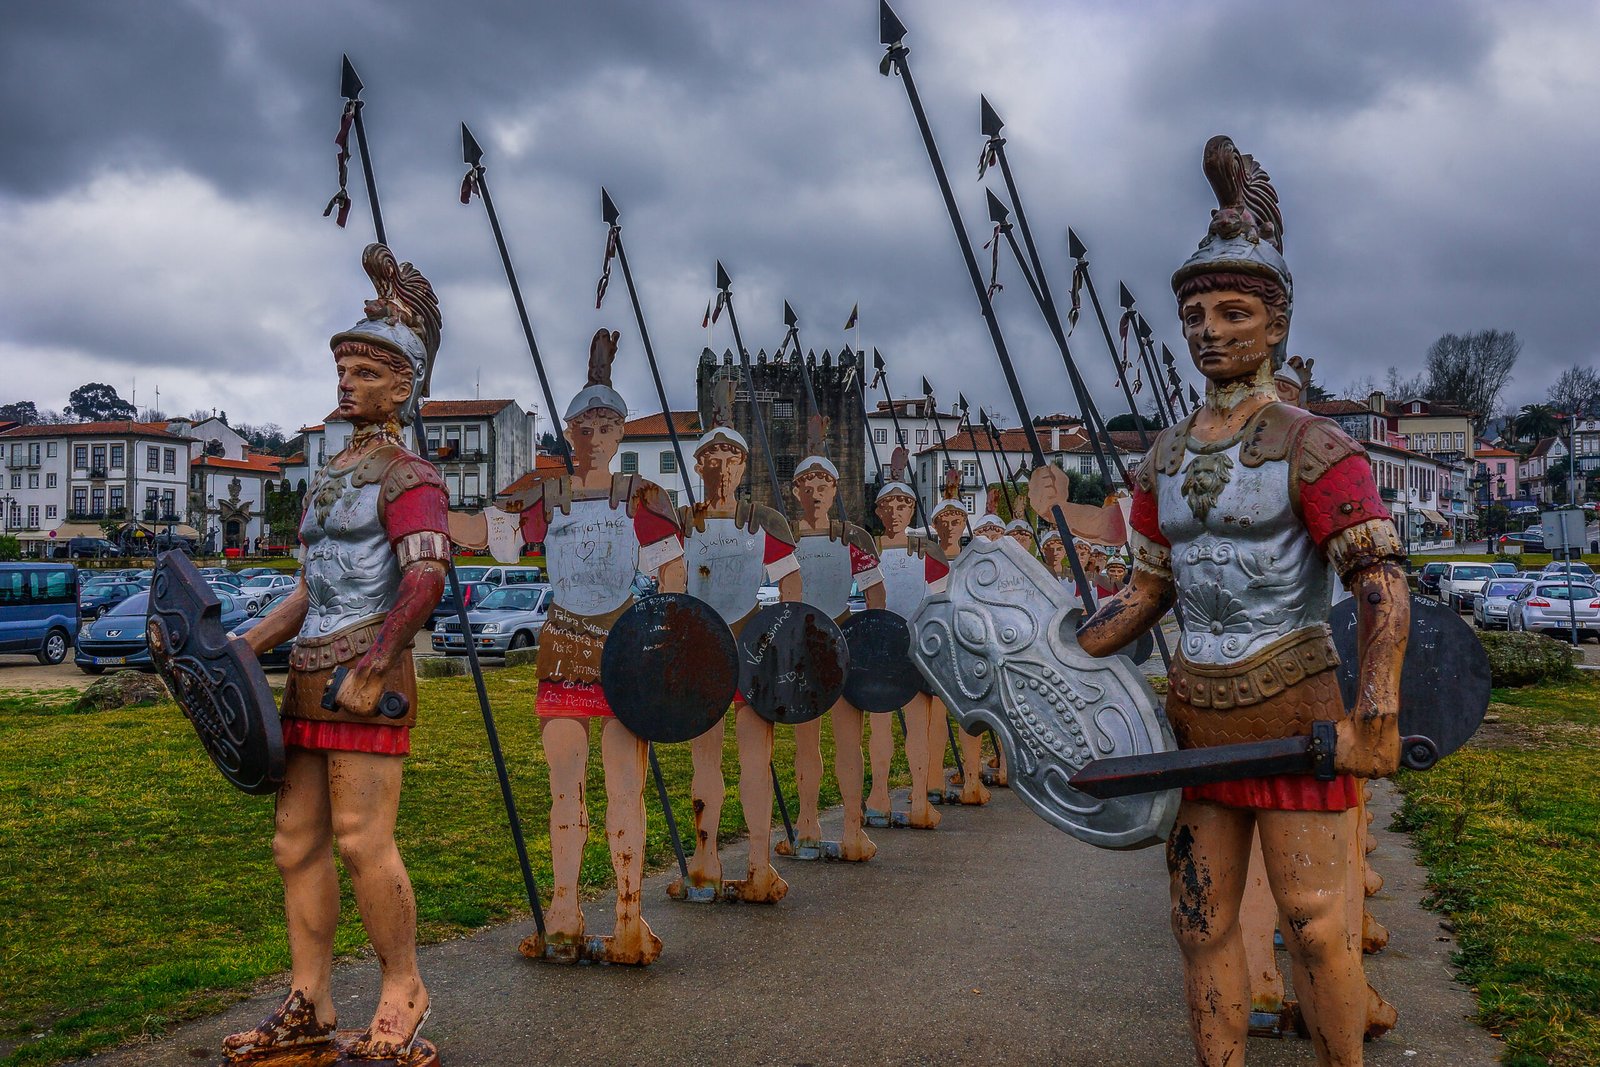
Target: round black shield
[215, 679]
[792, 663]
[1444, 681]
[668, 668]
[882, 675]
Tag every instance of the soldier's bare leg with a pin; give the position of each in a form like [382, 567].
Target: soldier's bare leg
[707, 788]
[1207, 860]
[938, 734]
[808, 782]
[624, 755]
[302, 848]
[973, 791]
[1307, 856]
[754, 735]
[566, 751]
[848, 768]
[364, 800]
[922, 814]
[880, 749]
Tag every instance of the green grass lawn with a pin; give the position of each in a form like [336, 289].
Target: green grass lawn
[1510, 830]
[137, 888]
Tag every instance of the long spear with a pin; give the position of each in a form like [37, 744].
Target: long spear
[757, 419]
[1001, 475]
[1134, 323]
[944, 446]
[892, 34]
[476, 179]
[350, 88]
[1080, 270]
[881, 378]
[610, 215]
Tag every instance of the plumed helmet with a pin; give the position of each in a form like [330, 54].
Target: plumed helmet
[597, 393]
[403, 321]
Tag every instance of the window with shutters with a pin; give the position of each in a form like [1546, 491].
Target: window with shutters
[630, 463]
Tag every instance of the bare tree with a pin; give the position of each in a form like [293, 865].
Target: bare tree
[1578, 388]
[1471, 370]
[199, 414]
[1393, 386]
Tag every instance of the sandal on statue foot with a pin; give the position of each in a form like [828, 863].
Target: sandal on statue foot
[293, 1025]
[804, 848]
[367, 1047]
[696, 894]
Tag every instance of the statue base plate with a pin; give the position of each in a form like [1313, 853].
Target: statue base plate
[334, 1054]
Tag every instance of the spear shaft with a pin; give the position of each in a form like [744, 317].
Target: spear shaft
[1111, 347]
[896, 57]
[900, 439]
[944, 448]
[757, 420]
[473, 157]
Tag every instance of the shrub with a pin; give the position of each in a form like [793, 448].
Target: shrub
[441, 667]
[10, 547]
[1524, 658]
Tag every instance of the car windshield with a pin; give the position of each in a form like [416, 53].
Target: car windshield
[1569, 568]
[1504, 588]
[1565, 592]
[273, 602]
[101, 585]
[513, 598]
[1472, 573]
[260, 581]
[471, 574]
[1434, 568]
[138, 604]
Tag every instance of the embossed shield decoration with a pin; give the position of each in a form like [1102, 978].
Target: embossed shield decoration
[999, 646]
[216, 680]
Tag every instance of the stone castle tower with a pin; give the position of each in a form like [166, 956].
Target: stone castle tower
[781, 394]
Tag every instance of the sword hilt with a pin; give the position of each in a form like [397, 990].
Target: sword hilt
[391, 705]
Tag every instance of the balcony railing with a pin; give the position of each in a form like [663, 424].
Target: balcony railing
[97, 473]
[468, 502]
[87, 516]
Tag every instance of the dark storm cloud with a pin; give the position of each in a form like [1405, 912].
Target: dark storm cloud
[165, 165]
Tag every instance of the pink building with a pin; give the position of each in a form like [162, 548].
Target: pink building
[1501, 467]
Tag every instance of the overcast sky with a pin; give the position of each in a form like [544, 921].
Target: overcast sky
[165, 165]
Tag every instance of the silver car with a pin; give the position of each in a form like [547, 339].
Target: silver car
[260, 588]
[1491, 609]
[1554, 607]
[509, 617]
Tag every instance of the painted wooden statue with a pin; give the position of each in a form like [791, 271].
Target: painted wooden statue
[950, 519]
[1242, 513]
[373, 555]
[833, 556]
[599, 530]
[913, 567]
[732, 548]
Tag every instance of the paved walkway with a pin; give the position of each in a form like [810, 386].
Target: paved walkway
[992, 940]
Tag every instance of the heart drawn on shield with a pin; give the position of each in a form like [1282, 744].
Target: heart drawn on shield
[586, 550]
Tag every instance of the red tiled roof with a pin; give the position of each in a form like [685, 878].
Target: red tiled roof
[655, 425]
[312, 429]
[295, 460]
[92, 429]
[1341, 407]
[455, 409]
[257, 464]
[1495, 453]
[543, 467]
[1545, 445]
[966, 441]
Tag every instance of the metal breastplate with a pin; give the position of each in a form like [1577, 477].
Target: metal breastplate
[1247, 573]
[351, 573]
[726, 565]
[593, 554]
[825, 573]
[905, 580]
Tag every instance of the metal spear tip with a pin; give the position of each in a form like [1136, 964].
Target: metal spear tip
[1127, 297]
[877, 361]
[789, 317]
[927, 387]
[608, 208]
[1142, 326]
[471, 151]
[1075, 248]
[961, 402]
[890, 29]
[992, 122]
[724, 283]
[1166, 355]
[998, 212]
[349, 81]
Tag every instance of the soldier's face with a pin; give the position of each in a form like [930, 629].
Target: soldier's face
[814, 492]
[1023, 538]
[595, 437]
[370, 389]
[721, 469]
[949, 525]
[1054, 554]
[894, 511]
[1288, 393]
[989, 532]
[1230, 333]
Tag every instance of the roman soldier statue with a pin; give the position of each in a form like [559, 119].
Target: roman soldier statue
[1021, 531]
[989, 526]
[733, 547]
[1242, 514]
[373, 555]
[833, 557]
[949, 521]
[912, 566]
[598, 529]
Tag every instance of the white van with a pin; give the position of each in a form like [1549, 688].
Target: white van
[1461, 582]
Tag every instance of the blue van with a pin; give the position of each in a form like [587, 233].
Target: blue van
[38, 609]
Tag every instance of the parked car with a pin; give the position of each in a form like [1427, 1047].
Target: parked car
[251, 572]
[1505, 570]
[258, 589]
[91, 548]
[38, 609]
[1553, 607]
[1428, 578]
[97, 595]
[472, 592]
[1460, 582]
[1491, 609]
[117, 638]
[1571, 569]
[278, 656]
[506, 618]
[643, 586]
[143, 578]
[220, 574]
[1531, 539]
[767, 596]
[498, 576]
[165, 542]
